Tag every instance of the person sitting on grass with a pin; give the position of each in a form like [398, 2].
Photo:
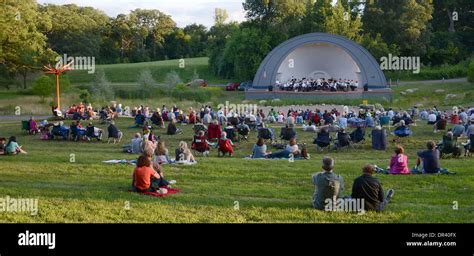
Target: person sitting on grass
[401, 131]
[114, 133]
[440, 124]
[430, 160]
[369, 189]
[225, 145]
[259, 150]
[136, 146]
[139, 119]
[157, 119]
[145, 179]
[3, 144]
[162, 154]
[458, 130]
[172, 129]
[290, 149]
[157, 167]
[328, 185]
[12, 147]
[183, 154]
[398, 163]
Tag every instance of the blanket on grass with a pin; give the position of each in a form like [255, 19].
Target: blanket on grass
[171, 191]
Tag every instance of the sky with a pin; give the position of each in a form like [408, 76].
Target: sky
[183, 12]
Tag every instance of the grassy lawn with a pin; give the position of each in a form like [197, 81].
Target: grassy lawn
[265, 190]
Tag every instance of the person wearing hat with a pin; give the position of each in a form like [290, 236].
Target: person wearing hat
[369, 189]
[328, 185]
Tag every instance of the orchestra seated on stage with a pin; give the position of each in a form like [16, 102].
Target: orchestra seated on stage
[307, 85]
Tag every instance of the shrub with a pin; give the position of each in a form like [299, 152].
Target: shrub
[43, 87]
[470, 72]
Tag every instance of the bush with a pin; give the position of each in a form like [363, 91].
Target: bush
[470, 72]
[43, 87]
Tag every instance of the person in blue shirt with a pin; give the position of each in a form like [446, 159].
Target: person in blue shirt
[430, 160]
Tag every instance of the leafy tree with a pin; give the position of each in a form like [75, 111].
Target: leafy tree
[470, 72]
[220, 16]
[340, 22]
[23, 45]
[43, 87]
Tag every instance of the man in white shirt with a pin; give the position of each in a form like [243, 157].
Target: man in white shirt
[431, 118]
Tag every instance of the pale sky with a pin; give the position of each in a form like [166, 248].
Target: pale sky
[183, 12]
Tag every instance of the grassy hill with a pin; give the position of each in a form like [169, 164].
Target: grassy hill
[128, 73]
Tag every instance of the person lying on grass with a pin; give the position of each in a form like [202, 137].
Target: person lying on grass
[398, 163]
[430, 160]
[183, 154]
[145, 178]
[225, 145]
[328, 185]
[290, 149]
[12, 147]
[369, 189]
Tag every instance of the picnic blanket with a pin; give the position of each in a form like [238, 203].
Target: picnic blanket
[171, 191]
[123, 161]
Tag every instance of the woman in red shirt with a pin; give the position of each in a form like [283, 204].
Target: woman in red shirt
[145, 178]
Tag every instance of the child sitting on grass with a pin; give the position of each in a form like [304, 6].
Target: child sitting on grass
[225, 145]
[162, 154]
[12, 147]
[183, 154]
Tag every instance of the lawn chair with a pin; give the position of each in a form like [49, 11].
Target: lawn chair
[265, 133]
[322, 141]
[287, 133]
[244, 131]
[449, 147]
[231, 132]
[343, 141]
[25, 125]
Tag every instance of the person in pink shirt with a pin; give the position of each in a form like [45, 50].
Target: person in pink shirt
[398, 163]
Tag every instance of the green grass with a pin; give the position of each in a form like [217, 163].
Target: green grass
[128, 73]
[266, 190]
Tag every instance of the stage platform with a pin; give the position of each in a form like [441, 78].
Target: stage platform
[257, 94]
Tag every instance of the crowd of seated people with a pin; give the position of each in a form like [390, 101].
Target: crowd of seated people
[321, 84]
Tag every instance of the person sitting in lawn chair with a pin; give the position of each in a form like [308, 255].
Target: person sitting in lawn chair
[214, 131]
[358, 135]
[93, 132]
[379, 138]
[30, 126]
[287, 133]
[60, 131]
[231, 132]
[200, 143]
[323, 140]
[342, 140]
[225, 145]
[469, 146]
[114, 133]
[449, 146]
[430, 159]
[265, 133]
[77, 132]
[243, 130]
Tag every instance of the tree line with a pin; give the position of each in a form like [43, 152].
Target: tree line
[31, 35]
